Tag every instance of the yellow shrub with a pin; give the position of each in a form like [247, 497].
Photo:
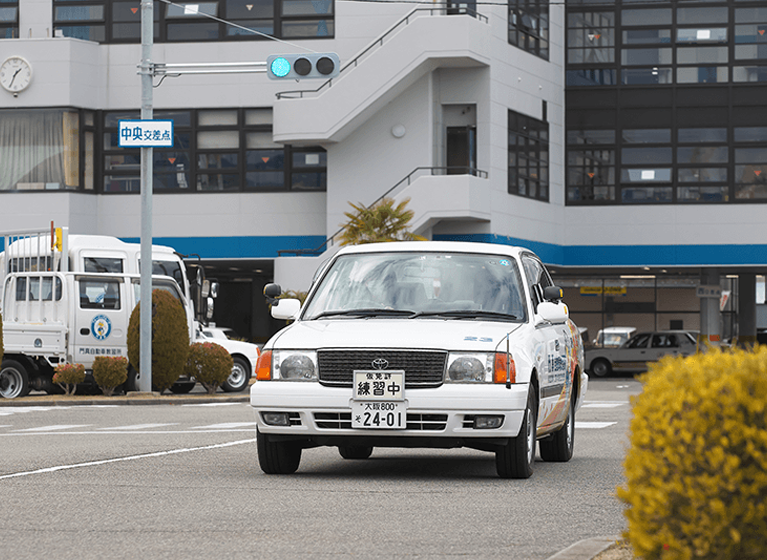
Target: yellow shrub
[696, 470]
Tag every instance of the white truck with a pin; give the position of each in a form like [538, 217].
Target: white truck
[422, 344]
[73, 309]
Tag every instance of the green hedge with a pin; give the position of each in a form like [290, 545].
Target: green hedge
[696, 469]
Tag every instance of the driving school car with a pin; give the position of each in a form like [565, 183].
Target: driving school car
[422, 344]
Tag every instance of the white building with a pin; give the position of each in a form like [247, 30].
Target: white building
[462, 110]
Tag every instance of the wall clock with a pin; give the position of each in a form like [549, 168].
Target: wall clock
[15, 74]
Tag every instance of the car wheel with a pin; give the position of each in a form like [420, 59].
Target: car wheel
[355, 451]
[515, 459]
[559, 447]
[601, 367]
[277, 457]
[131, 384]
[14, 380]
[238, 379]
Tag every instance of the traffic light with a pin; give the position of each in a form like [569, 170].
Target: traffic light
[303, 66]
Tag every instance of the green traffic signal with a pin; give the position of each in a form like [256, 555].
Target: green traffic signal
[298, 66]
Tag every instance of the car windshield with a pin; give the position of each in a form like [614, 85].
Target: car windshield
[414, 284]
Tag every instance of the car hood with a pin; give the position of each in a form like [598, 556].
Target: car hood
[431, 333]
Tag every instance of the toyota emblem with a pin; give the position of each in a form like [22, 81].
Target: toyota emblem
[380, 363]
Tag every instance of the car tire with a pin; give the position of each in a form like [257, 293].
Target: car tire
[277, 457]
[14, 380]
[239, 377]
[355, 451]
[516, 458]
[559, 446]
[601, 368]
[131, 384]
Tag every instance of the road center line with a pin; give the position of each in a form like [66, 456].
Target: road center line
[130, 458]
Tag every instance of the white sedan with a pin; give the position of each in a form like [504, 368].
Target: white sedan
[422, 344]
[244, 354]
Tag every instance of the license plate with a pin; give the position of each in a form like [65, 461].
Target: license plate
[379, 415]
[379, 400]
[377, 385]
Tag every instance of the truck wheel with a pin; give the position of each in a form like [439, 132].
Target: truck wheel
[14, 380]
[239, 377]
[354, 451]
[277, 457]
[559, 447]
[515, 459]
[601, 367]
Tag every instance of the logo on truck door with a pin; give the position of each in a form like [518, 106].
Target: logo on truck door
[101, 326]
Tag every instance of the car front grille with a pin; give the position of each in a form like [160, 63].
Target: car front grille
[423, 368]
[343, 421]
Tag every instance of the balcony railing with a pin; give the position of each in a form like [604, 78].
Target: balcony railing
[417, 172]
[449, 9]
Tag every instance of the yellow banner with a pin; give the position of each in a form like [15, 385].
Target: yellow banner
[599, 290]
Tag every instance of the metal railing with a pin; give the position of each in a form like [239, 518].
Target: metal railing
[449, 9]
[417, 172]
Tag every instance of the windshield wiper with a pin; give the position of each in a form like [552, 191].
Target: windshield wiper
[466, 313]
[363, 312]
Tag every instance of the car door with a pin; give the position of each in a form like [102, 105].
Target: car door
[550, 350]
[101, 318]
[634, 353]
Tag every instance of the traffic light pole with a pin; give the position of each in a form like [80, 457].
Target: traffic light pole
[147, 173]
[148, 70]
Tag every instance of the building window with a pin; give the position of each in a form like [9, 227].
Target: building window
[119, 21]
[591, 38]
[9, 19]
[215, 150]
[591, 166]
[750, 167]
[751, 33]
[528, 157]
[45, 149]
[529, 26]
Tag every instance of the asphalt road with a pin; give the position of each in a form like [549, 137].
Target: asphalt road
[172, 481]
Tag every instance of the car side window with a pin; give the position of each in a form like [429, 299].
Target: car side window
[639, 341]
[664, 341]
[536, 277]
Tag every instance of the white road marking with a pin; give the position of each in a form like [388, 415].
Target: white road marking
[593, 425]
[129, 458]
[54, 428]
[214, 404]
[602, 405]
[226, 426]
[140, 426]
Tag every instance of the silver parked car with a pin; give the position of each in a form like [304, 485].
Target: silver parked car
[633, 355]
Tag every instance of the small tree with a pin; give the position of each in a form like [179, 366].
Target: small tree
[67, 376]
[210, 364]
[170, 339]
[381, 222]
[110, 372]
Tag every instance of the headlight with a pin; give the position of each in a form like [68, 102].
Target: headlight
[295, 364]
[475, 367]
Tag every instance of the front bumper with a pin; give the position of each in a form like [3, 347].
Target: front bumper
[437, 417]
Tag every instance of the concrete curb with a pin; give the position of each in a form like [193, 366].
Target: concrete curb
[585, 549]
[129, 399]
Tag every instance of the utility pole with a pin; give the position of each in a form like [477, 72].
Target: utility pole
[147, 172]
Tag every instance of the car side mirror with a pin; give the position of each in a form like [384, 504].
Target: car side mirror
[553, 293]
[287, 309]
[271, 293]
[552, 312]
